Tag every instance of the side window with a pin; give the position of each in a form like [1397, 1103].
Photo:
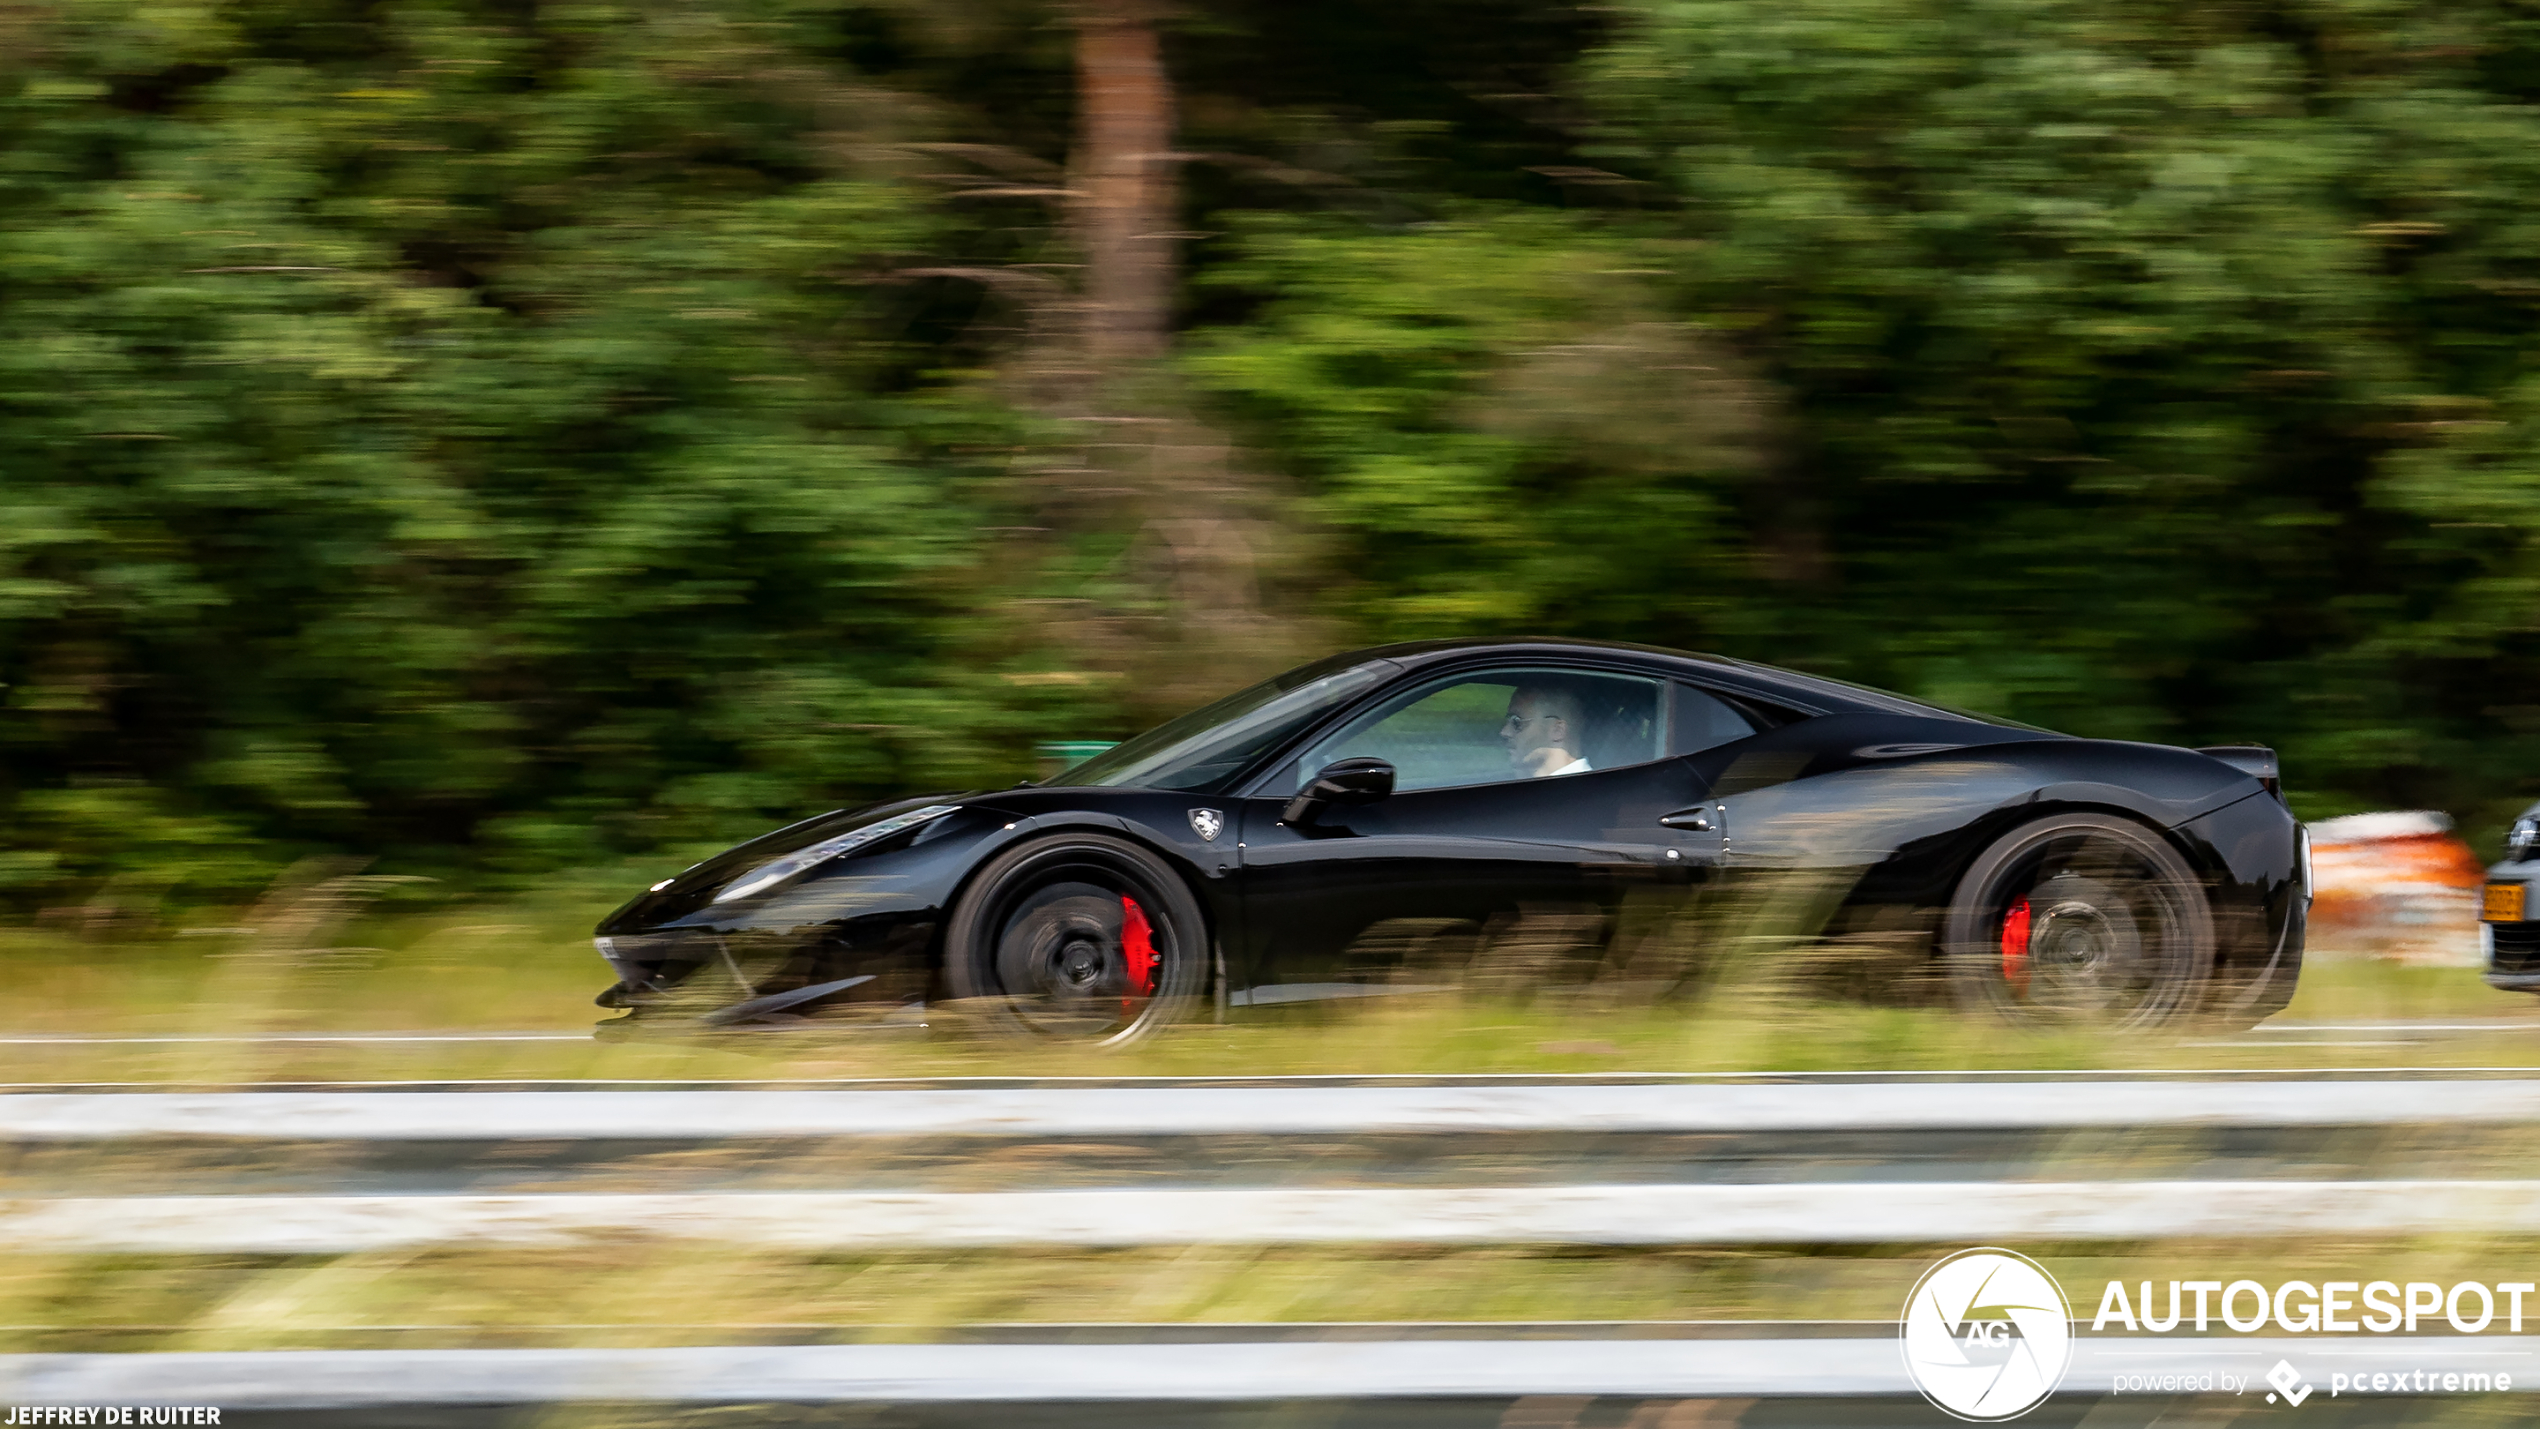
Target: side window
[1705, 721]
[1498, 725]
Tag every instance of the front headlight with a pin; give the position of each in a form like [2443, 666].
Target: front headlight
[2526, 832]
[768, 875]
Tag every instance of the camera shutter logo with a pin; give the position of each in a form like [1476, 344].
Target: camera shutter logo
[1987, 1335]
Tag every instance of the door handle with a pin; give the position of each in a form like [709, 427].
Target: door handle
[1696, 819]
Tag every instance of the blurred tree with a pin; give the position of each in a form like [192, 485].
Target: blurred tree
[497, 437]
[2145, 370]
[1126, 198]
[435, 432]
[2115, 334]
[1505, 417]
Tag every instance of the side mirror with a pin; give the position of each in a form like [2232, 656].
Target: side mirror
[1344, 782]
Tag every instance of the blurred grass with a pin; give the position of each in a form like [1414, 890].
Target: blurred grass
[318, 962]
[314, 961]
[638, 1294]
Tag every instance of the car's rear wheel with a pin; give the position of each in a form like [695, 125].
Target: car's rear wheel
[1080, 937]
[2080, 919]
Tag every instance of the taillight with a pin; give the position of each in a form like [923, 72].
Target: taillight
[2255, 760]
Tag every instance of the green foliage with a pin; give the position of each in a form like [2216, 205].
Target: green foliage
[494, 438]
[1492, 407]
[2144, 370]
[427, 430]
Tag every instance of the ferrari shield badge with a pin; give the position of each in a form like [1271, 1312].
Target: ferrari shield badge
[1207, 823]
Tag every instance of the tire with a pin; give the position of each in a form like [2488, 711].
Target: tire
[2080, 920]
[1045, 942]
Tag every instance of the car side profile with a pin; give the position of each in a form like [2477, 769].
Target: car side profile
[1498, 814]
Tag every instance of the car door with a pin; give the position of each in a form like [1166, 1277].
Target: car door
[1477, 864]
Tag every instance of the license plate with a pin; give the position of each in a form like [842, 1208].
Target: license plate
[2503, 903]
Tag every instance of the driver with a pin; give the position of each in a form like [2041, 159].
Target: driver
[1544, 731]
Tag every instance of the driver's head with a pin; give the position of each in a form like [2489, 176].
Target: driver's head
[1543, 729]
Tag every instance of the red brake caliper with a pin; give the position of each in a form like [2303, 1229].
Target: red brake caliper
[1137, 947]
[2015, 947]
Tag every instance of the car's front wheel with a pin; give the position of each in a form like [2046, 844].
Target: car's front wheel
[1077, 936]
[2080, 919]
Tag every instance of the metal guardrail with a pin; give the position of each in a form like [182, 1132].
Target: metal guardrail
[1647, 1164]
[1867, 1213]
[1116, 1374]
[1945, 1163]
[1273, 1111]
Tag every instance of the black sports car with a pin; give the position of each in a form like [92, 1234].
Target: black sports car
[1509, 815]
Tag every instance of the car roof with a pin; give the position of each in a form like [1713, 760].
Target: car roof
[1813, 693]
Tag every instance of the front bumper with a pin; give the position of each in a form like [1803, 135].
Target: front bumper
[2511, 950]
[853, 938]
[2512, 954]
[700, 979]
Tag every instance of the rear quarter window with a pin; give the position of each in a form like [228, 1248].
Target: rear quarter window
[1706, 721]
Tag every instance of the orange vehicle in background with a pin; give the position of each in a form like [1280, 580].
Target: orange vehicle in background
[2400, 886]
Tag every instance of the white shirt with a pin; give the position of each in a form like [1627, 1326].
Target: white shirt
[1575, 766]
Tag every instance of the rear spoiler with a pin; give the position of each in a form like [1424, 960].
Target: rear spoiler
[2255, 760]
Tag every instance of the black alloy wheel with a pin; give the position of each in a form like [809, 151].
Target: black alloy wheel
[2080, 920]
[1078, 936]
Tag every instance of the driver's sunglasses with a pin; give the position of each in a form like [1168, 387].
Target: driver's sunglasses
[1516, 722]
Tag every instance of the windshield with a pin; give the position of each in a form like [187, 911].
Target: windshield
[1202, 752]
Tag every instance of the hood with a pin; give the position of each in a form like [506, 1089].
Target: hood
[698, 885]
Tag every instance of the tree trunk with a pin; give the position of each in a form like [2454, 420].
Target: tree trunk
[1199, 524]
[1125, 179]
